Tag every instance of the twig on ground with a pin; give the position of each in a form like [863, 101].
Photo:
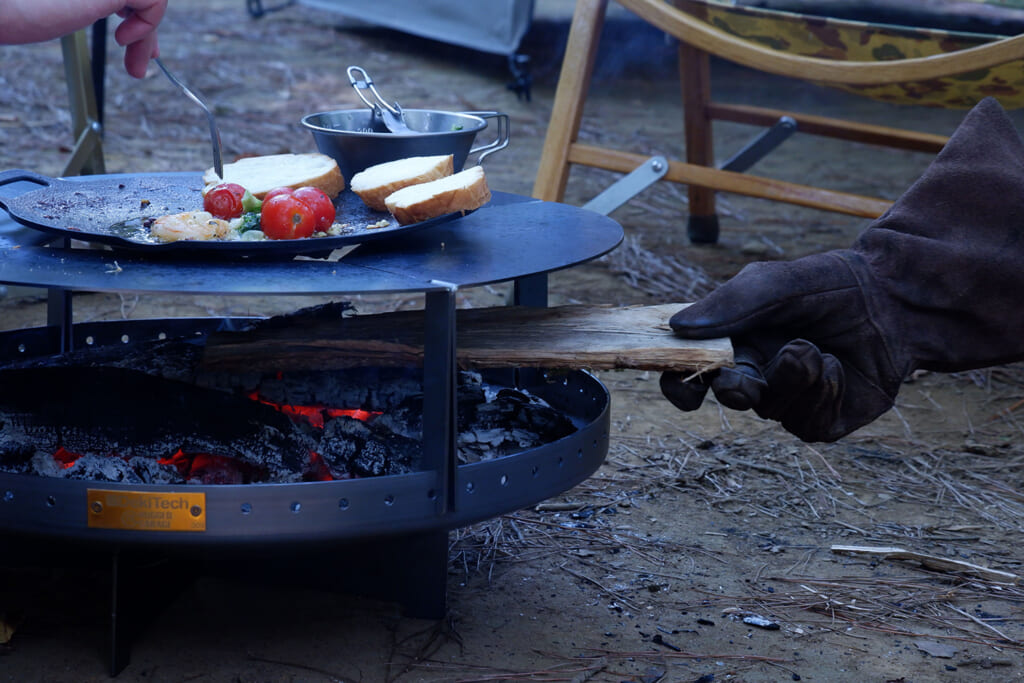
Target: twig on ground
[930, 561]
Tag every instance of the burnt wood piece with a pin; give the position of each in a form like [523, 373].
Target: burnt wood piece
[570, 337]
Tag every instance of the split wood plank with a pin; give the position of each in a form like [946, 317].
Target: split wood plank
[570, 337]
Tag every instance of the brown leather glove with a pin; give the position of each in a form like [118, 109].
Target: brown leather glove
[824, 342]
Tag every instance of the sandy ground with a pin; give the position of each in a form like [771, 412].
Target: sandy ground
[646, 571]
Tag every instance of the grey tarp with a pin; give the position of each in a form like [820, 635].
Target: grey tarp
[495, 26]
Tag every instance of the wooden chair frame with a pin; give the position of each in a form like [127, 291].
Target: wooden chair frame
[85, 102]
[697, 42]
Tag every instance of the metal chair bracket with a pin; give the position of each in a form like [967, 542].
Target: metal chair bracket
[761, 145]
[629, 186]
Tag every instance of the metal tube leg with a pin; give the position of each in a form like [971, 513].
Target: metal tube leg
[439, 385]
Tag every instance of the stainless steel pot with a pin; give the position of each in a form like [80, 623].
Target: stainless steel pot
[357, 139]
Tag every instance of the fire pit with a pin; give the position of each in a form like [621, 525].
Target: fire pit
[399, 507]
[221, 468]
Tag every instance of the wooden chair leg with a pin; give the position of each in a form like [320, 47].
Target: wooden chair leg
[87, 155]
[570, 95]
[695, 78]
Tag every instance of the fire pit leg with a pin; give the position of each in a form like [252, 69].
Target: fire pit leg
[410, 570]
[137, 581]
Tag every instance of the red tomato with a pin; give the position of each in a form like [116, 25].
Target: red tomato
[224, 201]
[276, 191]
[286, 218]
[317, 199]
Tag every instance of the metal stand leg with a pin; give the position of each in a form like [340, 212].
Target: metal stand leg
[531, 290]
[439, 385]
[410, 570]
[257, 10]
[60, 316]
[522, 79]
[120, 643]
[141, 589]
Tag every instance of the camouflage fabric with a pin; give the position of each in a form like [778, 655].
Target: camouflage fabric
[861, 41]
[1019, 4]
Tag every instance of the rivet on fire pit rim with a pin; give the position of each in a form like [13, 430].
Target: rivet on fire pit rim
[51, 501]
[579, 452]
[535, 471]
[389, 499]
[431, 494]
[343, 504]
[470, 487]
[125, 339]
[21, 348]
[96, 507]
[503, 480]
[195, 510]
[295, 507]
[8, 496]
[246, 508]
[162, 336]
[90, 340]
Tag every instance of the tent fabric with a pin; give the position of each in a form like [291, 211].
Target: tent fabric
[495, 26]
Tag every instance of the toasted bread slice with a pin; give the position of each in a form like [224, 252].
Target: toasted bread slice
[374, 184]
[262, 174]
[462, 191]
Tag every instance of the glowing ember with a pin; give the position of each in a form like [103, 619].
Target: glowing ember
[209, 468]
[65, 457]
[317, 414]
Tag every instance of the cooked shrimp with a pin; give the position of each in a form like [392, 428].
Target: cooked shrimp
[191, 225]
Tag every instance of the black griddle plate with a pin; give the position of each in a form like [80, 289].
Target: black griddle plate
[96, 209]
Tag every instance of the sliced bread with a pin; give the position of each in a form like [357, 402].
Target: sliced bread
[374, 184]
[262, 174]
[462, 191]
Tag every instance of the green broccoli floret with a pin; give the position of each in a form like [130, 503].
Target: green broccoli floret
[250, 221]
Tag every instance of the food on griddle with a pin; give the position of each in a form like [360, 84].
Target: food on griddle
[462, 191]
[374, 184]
[229, 200]
[191, 225]
[290, 196]
[288, 214]
[261, 174]
[284, 214]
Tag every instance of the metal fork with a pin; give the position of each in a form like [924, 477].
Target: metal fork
[218, 165]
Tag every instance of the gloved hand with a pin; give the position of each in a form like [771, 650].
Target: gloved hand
[824, 342]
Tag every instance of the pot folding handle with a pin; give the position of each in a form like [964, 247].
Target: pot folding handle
[390, 114]
[501, 142]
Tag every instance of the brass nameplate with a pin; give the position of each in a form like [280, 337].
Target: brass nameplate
[146, 511]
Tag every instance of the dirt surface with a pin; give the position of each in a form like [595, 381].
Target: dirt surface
[647, 570]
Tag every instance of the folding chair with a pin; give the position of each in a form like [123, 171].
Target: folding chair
[925, 67]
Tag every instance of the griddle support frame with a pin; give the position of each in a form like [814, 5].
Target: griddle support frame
[439, 383]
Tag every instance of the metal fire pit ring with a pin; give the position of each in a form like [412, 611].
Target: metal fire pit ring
[344, 510]
[515, 239]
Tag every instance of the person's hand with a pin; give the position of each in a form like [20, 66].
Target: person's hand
[808, 351]
[30, 21]
[137, 33]
[823, 343]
